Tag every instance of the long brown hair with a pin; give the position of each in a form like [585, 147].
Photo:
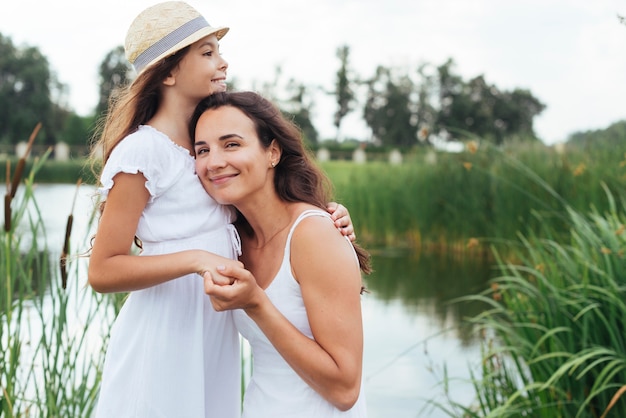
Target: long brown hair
[297, 178]
[131, 106]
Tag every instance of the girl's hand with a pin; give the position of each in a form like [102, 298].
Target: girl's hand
[341, 217]
[209, 268]
[235, 288]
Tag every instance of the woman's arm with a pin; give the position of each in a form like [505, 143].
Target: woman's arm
[112, 267]
[326, 268]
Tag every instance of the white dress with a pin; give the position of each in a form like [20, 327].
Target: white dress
[275, 390]
[170, 354]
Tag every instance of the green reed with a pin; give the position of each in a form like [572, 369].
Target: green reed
[555, 334]
[51, 360]
[483, 192]
[554, 342]
[53, 171]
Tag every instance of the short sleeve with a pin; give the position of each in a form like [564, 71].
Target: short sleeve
[149, 152]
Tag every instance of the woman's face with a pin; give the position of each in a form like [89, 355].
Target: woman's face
[202, 71]
[230, 161]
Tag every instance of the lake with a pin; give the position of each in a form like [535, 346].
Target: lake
[411, 331]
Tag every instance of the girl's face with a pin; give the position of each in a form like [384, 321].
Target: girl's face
[230, 161]
[202, 71]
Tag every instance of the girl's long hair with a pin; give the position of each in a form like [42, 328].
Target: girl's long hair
[130, 106]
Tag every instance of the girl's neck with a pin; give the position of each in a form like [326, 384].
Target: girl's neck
[175, 125]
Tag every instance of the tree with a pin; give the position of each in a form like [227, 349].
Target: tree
[514, 113]
[611, 137]
[481, 109]
[115, 72]
[343, 90]
[390, 109]
[56, 120]
[78, 130]
[299, 106]
[426, 112]
[25, 89]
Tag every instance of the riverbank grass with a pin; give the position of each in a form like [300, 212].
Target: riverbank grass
[50, 366]
[554, 337]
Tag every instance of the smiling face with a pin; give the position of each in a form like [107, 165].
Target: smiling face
[202, 71]
[231, 163]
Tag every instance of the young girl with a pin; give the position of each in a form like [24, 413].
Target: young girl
[170, 354]
[298, 301]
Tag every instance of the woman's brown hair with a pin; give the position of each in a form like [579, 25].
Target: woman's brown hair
[297, 178]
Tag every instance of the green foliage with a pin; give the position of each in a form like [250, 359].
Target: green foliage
[114, 72]
[77, 132]
[390, 107]
[377, 197]
[298, 107]
[30, 93]
[343, 87]
[606, 138]
[483, 110]
[51, 171]
[24, 90]
[555, 341]
[48, 368]
[484, 192]
[444, 105]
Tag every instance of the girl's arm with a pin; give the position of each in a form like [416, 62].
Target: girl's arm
[112, 267]
[326, 268]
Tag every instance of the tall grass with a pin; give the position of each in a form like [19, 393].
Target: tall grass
[53, 171]
[555, 341]
[51, 358]
[482, 192]
[555, 333]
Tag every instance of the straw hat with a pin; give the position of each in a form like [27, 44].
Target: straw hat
[162, 30]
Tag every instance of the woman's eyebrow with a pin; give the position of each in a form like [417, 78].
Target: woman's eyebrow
[221, 138]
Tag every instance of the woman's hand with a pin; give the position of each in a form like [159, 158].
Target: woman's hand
[340, 215]
[232, 287]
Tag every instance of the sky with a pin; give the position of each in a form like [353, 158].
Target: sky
[570, 54]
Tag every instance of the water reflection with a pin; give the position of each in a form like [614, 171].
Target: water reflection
[426, 283]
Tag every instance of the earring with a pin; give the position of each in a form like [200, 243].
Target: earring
[273, 164]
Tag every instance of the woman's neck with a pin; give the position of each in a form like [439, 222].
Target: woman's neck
[269, 221]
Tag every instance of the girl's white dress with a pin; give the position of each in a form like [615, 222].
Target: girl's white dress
[275, 390]
[170, 354]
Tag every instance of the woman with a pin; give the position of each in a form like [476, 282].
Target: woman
[298, 301]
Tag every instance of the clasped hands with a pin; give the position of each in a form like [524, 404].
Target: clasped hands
[231, 287]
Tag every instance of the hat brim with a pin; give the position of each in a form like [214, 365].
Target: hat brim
[191, 39]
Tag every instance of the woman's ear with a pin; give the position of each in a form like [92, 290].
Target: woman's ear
[274, 153]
